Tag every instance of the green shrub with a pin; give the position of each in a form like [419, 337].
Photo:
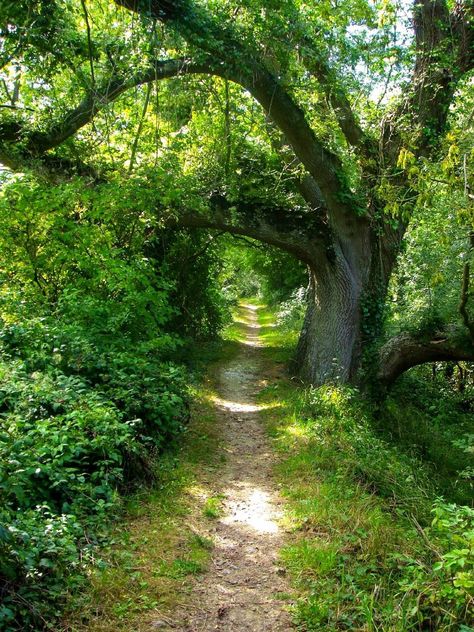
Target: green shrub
[440, 587]
[343, 422]
[428, 419]
[87, 402]
[67, 450]
[43, 557]
[96, 302]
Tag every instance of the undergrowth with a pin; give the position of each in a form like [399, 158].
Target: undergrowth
[82, 421]
[375, 546]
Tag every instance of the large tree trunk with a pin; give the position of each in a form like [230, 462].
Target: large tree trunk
[333, 338]
[346, 292]
[329, 348]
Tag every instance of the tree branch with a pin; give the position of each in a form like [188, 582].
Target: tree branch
[89, 41]
[444, 53]
[242, 65]
[109, 91]
[139, 129]
[337, 98]
[291, 238]
[34, 145]
[406, 351]
[462, 24]
[226, 57]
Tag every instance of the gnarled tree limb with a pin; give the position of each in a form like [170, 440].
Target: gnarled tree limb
[406, 351]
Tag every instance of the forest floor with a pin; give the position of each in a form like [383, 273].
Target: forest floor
[204, 553]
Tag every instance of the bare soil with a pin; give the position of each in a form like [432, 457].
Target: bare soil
[244, 587]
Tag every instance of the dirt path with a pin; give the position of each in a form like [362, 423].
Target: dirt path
[240, 590]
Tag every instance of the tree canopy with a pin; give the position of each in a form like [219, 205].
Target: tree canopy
[312, 128]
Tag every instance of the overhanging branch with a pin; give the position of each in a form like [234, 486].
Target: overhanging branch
[406, 351]
[243, 66]
[225, 56]
[36, 144]
[293, 241]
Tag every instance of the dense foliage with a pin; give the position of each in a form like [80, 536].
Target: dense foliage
[334, 139]
[317, 131]
[91, 302]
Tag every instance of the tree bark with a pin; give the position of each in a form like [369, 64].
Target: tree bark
[407, 350]
[328, 348]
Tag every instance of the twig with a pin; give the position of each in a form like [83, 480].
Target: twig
[140, 127]
[426, 540]
[89, 42]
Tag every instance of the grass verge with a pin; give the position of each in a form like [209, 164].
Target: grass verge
[373, 548]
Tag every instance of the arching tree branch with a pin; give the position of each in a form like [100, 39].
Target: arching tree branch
[36, 144]
[290, 236]
[406, 351]
[242, 65]
[287, 115]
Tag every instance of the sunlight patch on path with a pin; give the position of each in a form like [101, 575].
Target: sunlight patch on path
[247, 323]
[251, 342]
[253, 509]
[240, 407]
[251, 339]
[254, 308]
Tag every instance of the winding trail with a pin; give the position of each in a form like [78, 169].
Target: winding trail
[240, 590]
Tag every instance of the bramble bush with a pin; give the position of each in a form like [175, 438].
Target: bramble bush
[90, 391]
[80, 424]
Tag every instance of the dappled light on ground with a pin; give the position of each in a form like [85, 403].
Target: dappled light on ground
[249, 324]
[198, 491]
[241, 321]
[241, 407]
[252, 325]
[253, 509]
[239, 590]
[251, 306]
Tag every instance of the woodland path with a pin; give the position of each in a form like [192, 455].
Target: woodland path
[240, 590]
